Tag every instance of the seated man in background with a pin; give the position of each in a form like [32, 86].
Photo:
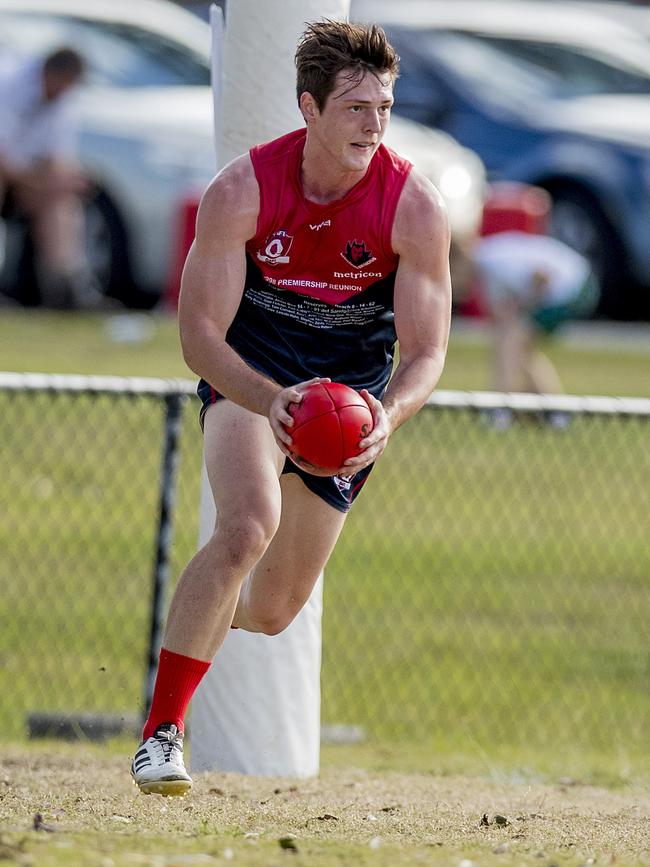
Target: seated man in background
[40, 180]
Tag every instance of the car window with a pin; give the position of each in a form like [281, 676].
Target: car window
[118, 55]
[579, 71]
[523, 70]
[490, 73]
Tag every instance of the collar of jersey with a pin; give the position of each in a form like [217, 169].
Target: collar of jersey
[358, 191]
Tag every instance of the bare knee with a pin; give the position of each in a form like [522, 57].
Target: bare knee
[244, 539]
[273, 623]
[274, 615]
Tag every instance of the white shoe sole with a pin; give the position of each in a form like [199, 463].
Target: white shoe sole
[166, 788]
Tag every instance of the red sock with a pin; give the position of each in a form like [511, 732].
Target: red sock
[178, 677]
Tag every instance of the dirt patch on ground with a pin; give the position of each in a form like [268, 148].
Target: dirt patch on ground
[79, 797]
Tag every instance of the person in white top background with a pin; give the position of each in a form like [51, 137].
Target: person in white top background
[40, 178]
[531, 285]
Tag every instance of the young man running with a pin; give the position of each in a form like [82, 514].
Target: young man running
[314, 253]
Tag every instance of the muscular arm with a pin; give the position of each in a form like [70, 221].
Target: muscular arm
[213, 284]
[422, 299]
[422, 312]
[211, 290]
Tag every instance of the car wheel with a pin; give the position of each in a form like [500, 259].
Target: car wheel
[107, 248]
[578, 220]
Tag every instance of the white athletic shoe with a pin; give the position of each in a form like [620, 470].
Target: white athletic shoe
[158, 767]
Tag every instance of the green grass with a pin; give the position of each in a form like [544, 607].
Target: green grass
[609, 369]
[486, 607]
[37, 341]
[500, 607]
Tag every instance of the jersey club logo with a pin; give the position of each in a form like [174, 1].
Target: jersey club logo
[275, 250]
[357, 255]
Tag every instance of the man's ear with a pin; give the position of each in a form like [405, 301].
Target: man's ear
[308, 106]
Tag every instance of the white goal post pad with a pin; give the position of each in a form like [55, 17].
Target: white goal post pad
[258, 88]
[257, 710]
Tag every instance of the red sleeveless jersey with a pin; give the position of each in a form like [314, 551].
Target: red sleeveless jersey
[318, 299]
[331, 251]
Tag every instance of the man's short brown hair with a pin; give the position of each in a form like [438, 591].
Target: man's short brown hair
[65, 61]
[329, 47]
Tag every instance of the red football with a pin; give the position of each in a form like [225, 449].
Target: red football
[328, 424]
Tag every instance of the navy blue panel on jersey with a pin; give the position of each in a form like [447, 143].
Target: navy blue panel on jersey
[292, 337]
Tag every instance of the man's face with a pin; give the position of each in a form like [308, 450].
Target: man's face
[55, 84]
[353, 120]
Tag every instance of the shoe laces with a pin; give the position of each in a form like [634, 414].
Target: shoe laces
[171, 741]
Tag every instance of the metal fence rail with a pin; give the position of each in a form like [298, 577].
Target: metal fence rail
[489, 594]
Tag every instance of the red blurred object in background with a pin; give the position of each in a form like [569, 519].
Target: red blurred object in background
[510, 207]
[182, 238]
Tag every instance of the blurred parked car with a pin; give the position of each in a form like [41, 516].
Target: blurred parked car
[547, 94]
[146, 128]
[634, 15]
[147, 131]
[200, 7]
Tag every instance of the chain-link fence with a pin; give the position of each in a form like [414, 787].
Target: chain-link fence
[489, 596]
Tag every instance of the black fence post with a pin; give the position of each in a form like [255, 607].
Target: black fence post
[174, 405]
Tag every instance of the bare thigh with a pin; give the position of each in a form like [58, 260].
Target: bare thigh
[285, 576]
[243, 464]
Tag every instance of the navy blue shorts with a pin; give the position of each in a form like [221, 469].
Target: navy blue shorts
[334, 490]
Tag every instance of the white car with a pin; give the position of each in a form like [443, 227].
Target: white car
[146, 135]
[636, 16]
